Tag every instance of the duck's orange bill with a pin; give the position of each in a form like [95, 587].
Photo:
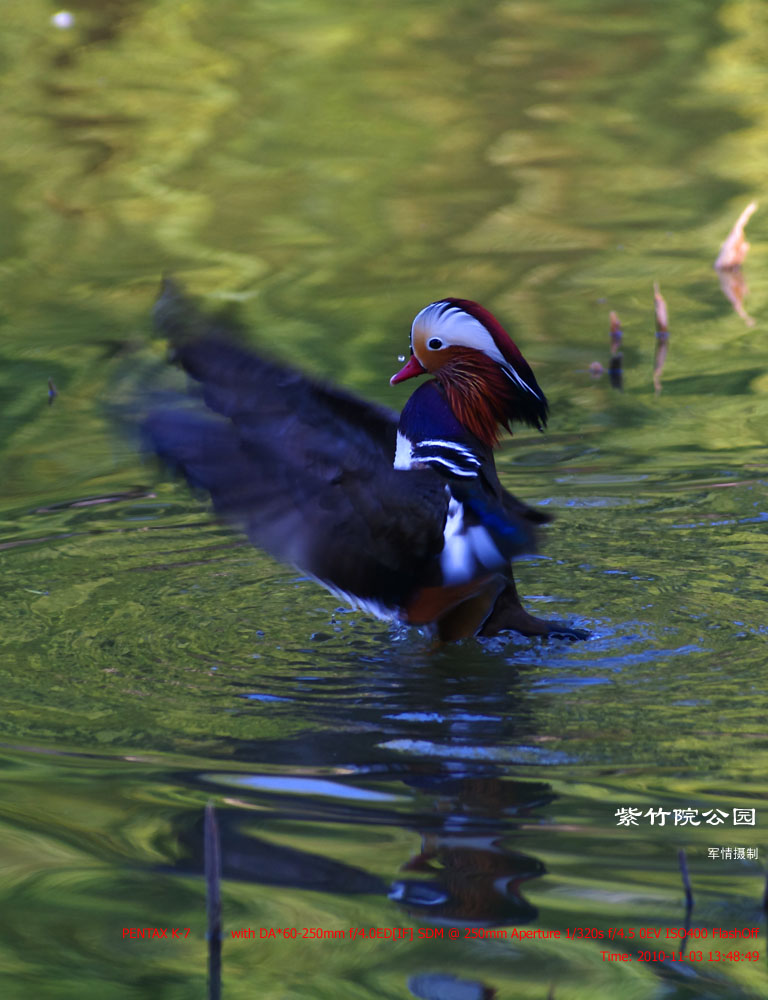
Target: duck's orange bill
[411, 370]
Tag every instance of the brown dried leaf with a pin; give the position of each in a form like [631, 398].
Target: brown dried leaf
[660, 310]
[662, 336]
[733, 285]
[734, 249]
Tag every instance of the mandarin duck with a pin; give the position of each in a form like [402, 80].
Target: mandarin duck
[404, 517]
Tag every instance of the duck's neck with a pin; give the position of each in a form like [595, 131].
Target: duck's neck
[478, 393]
[430, 434]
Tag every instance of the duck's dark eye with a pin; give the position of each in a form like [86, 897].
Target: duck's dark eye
[434, 344]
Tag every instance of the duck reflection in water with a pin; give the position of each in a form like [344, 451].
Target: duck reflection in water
[474, 878]
[465, 872]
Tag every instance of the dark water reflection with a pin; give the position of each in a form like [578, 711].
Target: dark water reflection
[330, 170]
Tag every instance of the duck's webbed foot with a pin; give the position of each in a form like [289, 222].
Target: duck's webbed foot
[509, 614]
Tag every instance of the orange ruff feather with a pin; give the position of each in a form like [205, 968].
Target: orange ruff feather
[479, 393]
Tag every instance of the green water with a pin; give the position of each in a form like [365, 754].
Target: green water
[329, 168]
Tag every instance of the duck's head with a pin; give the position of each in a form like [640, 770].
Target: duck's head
[486, 380]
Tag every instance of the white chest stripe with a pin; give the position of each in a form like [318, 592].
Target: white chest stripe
[454, 446]
[403, 453]
[456, 458]
[450, 466]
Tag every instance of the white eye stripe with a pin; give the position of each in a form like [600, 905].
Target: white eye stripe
[451, 310]
[457, 327]
[454, 326]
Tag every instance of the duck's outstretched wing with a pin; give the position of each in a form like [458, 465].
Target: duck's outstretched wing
[355, 524]
[304, 468]
[257, 392]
